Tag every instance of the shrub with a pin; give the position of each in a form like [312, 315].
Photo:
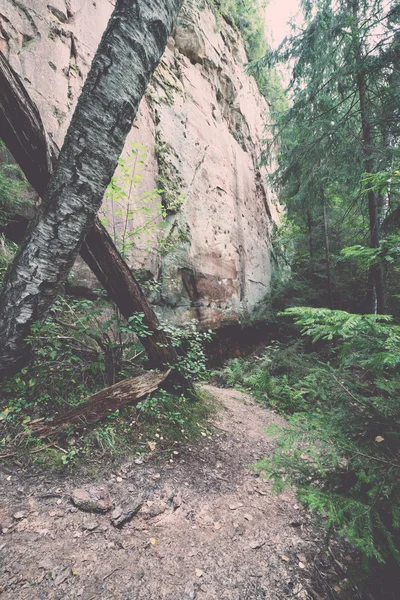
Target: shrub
[341, 449]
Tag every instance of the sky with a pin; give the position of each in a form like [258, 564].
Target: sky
[278, 12]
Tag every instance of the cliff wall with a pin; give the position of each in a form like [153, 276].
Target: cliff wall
[195, 215]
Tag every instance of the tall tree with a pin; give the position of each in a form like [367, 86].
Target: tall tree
[129, 51]
[345, 60]
[25, 136]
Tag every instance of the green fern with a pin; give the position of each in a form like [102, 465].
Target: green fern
[341, 447]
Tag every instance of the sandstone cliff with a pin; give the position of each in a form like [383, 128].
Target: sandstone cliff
[204, 236]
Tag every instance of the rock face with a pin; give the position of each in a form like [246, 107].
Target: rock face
[196, 215]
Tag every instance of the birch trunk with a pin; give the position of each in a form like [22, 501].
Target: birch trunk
[129, 51]
[24, 134]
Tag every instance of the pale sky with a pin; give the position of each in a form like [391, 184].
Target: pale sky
[278, 13]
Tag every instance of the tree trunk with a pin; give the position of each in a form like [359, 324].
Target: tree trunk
[128, 53]
[377, 275]
[309, 228]
[103, 403]
[327, 250]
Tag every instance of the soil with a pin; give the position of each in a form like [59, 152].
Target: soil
[209, 528]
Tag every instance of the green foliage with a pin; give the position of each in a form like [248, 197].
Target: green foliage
[340, 449]
[138, 219]
[189, 342]
[248, 17]
[321, 156]
[168, 176]
[7, 252]
[83, 347]
[76, 351]
[136, 215]
[174, 415]
[13, 198]
[13, 187]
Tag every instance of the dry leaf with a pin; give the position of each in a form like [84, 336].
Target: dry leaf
[152, 446]
[285, 558]
[379, 439]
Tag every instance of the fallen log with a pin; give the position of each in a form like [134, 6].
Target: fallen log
[102, 404]
[23, 132]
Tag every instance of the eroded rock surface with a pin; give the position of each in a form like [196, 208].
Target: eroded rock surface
[201, 123]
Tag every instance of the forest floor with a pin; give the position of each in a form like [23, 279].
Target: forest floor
[208, 527]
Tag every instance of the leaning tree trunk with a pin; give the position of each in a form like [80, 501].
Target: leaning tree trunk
[129, 51]
[25, 136]
[376, 275]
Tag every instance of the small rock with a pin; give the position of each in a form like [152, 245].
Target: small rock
[60, 574]
[138, 461]
[177, 500]
[217, 526]
[285, 558]
[254, 544]
[19, 515]
[302, 565]
[235, 506]
[121, 515]
[91, 500]
[119, 479]
[248, 517]
[199, 573]
[302, 558]
[90, 525]
[157, 508]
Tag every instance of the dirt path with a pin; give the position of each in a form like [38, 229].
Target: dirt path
[208, 529]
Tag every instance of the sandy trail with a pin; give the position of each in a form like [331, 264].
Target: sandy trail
[209, 528]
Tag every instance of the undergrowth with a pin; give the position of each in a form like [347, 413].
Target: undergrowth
[81, 348]
[340, 447]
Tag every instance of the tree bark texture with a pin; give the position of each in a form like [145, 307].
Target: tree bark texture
[25, 136]
[103, 403]
[129, 51]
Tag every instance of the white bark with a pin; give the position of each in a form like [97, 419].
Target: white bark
[129, 51]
